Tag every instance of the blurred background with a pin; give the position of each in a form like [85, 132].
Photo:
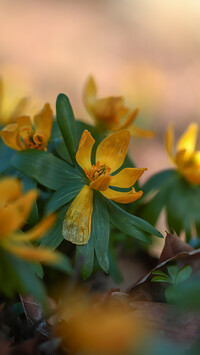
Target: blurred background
[146, 51]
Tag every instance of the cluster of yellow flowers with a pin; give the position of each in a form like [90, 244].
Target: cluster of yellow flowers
[14, 211]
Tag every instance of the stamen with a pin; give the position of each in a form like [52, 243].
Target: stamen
[97, 170]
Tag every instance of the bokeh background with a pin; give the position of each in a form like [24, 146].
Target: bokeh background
[147, 51]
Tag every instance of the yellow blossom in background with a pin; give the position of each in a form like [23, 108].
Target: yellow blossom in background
[89, 327]
[110, 155]
[10, 108]
[186, 159]
[24, 134]
[14, 211]
[110, 113]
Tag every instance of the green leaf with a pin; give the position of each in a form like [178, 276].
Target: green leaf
[85, 255]
[54, 237]
[183, 274]
[170, 294]
[29, 184]
[46, 169]
[98, 242]
[66, 122]
[159, 272]
[6, 155]
[64, 195]
[129, 224]
[173, 271]
[160, 279]
[61, 150]
[19, 278]
[186, 294]
[100, 231]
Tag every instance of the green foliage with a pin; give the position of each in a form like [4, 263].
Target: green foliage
[175, 278]
[17, 275]
[46, 169]
[66, 122]
[98, 242]
[179, 198]
[129, 224]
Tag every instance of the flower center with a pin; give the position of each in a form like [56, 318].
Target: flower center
[97, 170]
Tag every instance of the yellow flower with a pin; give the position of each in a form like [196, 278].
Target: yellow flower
[14, 211]
[10, 109]
[22, 135]
[186, 159]
[88, 327]
[110, 114]
[110, 156]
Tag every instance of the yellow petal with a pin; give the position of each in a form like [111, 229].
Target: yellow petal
[19, 109]
[101, 183]
[24, 122]
[10, 189]
[11, 137]
[28, 253]
[109, 111]
[77, 223]
[127, 177]
[38, 231]
[188, 139]
[122, 197]
[169, 141]
[112, 150]
[43, 123]
[83, 155]
[131, 117]
[14, 216]
[90, 92]
[140, 132]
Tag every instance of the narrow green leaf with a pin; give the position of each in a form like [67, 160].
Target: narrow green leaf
[159, 272]
[61, 150]
[130, 224]
[64, 195]
[160, 279]
[66, 122]
[100, 231]
[46, 169]
[85, 255]
[54, 237]
[183, 274]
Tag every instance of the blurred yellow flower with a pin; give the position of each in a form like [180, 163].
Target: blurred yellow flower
[14, 211]
[110, 156]
[186, 159]
[10, 109]
[110, 114]
[89, 327]
[23, 135]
